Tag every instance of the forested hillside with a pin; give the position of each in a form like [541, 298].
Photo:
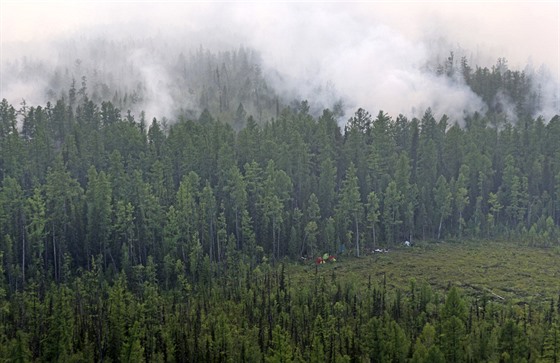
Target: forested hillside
[126, 239]
[509, 95]
[148, 75]
[86, 181]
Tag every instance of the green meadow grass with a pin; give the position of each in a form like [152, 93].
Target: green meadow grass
[510, 272]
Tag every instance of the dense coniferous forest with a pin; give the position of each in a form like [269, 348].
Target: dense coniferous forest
[126, 239]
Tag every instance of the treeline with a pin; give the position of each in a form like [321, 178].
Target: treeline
[86, 181]
[161, 78]
[259, 315]
[508, 94]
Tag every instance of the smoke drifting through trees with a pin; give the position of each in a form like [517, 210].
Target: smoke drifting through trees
[216, 61]
[145, 75]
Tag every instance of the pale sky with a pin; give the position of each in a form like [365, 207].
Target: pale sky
[518, 30]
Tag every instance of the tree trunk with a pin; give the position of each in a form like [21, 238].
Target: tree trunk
[237, 229]
[303, 245]
[218, 248]
[273, 239]
[211, 241]
[23, 254]
[460, 224]
[54, 257]
[357, 236]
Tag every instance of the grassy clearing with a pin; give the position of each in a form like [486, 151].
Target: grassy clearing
[511, 271]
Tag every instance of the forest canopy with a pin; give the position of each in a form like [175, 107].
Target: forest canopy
[82, 179]
[107, 217]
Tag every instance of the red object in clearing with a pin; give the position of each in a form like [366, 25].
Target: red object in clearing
[319, 260]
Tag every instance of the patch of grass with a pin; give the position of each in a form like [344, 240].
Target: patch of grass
[515, 272]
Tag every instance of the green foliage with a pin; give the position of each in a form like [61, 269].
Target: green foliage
[266, 313]
[391, 211]
[373, 214]
[442, 197]
[123, 242]
[349, 208]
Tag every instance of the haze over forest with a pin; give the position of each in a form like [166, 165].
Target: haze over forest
[189, 182]
[175, 58]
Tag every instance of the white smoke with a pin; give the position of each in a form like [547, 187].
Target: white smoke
[370, 65]
[547, 91]
[156, 83]
[323, 53]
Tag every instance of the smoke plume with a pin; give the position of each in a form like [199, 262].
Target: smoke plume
[328, 54]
